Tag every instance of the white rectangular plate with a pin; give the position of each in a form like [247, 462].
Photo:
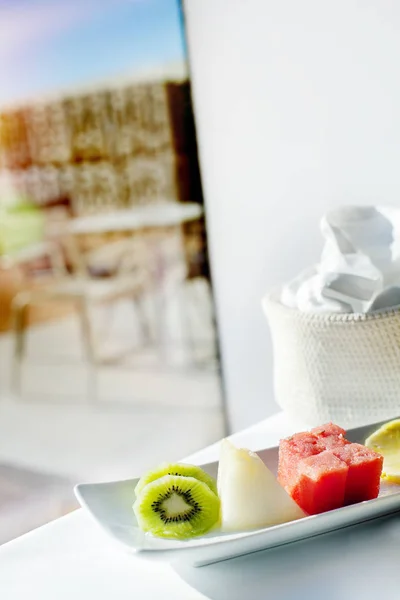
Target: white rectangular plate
[110, 504]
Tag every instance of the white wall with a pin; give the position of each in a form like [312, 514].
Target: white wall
[298, 110]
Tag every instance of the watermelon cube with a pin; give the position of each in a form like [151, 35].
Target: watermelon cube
[365, 467]
[322, 470]
[321, 483]
[291, 451]
[327, 430]
[331, 435]
[333, 441]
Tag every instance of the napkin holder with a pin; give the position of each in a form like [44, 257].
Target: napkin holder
[333, 366]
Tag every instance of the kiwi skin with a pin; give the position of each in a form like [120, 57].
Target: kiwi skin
[157, 512]
[181, 469]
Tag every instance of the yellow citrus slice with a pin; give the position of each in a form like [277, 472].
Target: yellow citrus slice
[386, 441]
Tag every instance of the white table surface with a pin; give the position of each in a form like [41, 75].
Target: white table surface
[72, 558]
[167, 214]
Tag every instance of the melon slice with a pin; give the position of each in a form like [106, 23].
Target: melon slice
[250, 495]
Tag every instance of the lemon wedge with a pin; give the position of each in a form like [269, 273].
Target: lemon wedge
[386, 441]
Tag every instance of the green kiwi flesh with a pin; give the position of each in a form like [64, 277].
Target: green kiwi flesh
[177, 507]
[179, 469]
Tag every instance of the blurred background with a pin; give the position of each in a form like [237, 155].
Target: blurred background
[108, 340]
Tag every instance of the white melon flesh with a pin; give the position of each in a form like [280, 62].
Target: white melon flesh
[250, 495]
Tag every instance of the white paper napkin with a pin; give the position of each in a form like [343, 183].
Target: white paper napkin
[359, 270]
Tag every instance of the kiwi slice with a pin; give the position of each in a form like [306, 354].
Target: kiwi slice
[181, 469]
[177, 507]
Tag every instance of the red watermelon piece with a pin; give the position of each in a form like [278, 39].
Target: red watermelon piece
[322, 470]
[333, 441]
[321, 484]
[331, 435]
[365, 468]
[291, 451]
[328, 430]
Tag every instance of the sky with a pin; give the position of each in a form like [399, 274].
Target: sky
[46, 45]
